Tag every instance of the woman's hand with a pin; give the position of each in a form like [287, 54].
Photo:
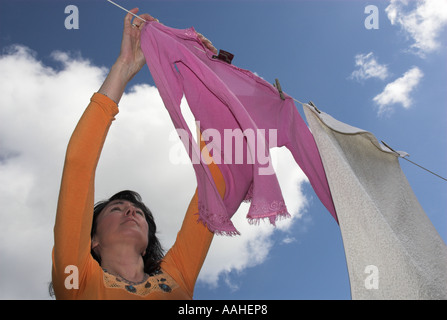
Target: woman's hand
[131, 56]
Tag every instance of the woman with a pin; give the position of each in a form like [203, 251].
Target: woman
[110, 251]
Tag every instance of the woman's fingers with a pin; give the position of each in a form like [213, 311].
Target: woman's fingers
[148, 17]
[207, 43]
[129, 16]
[132, 21]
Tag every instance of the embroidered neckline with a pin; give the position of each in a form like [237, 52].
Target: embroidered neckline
[121, 278]
[157, 281]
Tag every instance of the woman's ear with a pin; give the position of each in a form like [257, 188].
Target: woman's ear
[95, 243]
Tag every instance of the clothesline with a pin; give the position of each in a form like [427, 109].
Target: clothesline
[299, 101]
[437, 175]
[425, 169]
[126, 10]
[415, 163]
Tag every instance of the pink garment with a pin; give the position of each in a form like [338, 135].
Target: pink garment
[223, 97]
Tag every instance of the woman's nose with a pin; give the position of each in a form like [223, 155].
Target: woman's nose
[130, 210]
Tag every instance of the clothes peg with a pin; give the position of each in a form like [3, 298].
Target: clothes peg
[278, 86]
[314, 106]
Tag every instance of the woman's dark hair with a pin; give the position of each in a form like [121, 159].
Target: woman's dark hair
[154, 251]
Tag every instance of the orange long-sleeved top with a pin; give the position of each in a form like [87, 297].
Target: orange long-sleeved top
[72, 261]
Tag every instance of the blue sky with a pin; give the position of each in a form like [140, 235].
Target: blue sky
[390, 81]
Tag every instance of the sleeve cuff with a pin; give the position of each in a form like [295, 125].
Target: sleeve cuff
[106, 103]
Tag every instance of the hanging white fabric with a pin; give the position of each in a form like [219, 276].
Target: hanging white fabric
[392, 249]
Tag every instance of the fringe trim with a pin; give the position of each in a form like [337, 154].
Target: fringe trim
[220, 231]
[273, 217]
[226, 228]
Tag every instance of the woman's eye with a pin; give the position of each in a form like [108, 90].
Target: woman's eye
[140, 213]
[116, 209]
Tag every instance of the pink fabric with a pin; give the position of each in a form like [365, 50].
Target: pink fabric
[222, 96]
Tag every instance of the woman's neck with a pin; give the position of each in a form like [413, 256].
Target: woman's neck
[123, 262]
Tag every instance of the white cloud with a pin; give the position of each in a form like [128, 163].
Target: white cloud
[288, 240]
[398, 91]
[39, 108]
[424, 22]
[368, 67]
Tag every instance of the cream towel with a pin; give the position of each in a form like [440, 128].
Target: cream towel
[392, 249]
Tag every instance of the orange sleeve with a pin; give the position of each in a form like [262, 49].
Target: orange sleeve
[76, 196]
[189, 251]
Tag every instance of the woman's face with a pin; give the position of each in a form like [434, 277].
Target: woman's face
[121, 222]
